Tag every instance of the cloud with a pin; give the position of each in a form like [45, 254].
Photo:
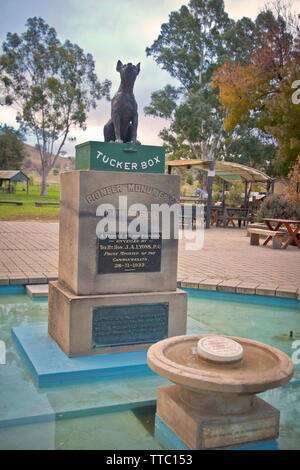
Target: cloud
[237, 9]
[8, 116]
[112, 30]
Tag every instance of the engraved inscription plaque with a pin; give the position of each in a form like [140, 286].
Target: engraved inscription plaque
[237, 433]
[129, 255]
[129, 324]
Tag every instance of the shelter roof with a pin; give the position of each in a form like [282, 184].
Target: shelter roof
[228, 171]
[14, 175]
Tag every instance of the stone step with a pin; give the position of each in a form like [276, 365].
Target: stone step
[37, 290]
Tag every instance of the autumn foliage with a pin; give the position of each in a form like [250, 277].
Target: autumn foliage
[263, 89]
[292, 191]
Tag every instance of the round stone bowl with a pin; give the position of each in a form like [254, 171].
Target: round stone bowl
[220, 386]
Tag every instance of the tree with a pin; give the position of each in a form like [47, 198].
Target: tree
[282, 116]
[11, 148]
[260, 87]
[191, 46]
[191, 42]
[292, 191]
[54, 85]
[252, 147]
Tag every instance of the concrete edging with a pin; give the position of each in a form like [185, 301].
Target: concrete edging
[224, 285]
[25, 279]
[241, 287]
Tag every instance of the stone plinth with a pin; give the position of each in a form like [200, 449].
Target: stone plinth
[210, 429]
[102, 324]
[89, 265]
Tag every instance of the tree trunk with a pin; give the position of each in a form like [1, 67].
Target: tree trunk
[202, 178]
[44, 182]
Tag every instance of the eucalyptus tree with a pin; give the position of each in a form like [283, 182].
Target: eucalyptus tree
[52, 85]
[196, 41]
[190, 47]
[11, 148]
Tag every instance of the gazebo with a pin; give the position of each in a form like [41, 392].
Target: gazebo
[227, 171]
[13, 176]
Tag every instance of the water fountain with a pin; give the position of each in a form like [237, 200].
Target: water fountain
[214, 402]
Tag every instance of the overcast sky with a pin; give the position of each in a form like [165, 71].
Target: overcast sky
[111, 30]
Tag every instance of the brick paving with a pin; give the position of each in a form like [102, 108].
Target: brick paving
[227, 261]
[28, 251]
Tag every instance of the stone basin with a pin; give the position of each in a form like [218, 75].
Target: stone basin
[217, 377]
[262, 367]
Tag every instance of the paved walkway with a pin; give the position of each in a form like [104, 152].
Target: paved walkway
[28, 252]
[29, 255]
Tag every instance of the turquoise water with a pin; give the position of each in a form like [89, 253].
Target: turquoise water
[119, 413]
[264, 319]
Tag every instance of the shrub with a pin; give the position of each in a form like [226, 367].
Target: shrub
[216, 196]
[235, 196]
[278, 207]
[189, 179]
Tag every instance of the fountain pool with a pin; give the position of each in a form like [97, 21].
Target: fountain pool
[118, 413]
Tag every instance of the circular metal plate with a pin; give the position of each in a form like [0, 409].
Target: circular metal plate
[219, 348]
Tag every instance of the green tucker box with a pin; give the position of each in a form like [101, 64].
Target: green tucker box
[111, 156]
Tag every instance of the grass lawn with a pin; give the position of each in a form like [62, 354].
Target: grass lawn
[28, 210]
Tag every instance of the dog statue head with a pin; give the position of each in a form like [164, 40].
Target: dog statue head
[128, 72]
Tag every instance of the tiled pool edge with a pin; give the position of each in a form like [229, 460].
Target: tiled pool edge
[25, 279]
[223, 285]
[236, 286]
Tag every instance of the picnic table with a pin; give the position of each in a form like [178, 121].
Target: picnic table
[188, 216]
[47, 203]
[18, 203]
[195, 199]
[292, 228]
[214, 211]
[230, 214]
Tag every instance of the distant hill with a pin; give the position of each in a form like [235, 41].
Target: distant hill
[32, 162]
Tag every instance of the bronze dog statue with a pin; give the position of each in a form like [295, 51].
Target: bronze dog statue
[122, 127]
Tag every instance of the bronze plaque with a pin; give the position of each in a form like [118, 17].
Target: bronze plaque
[129, 324]
[129, 255]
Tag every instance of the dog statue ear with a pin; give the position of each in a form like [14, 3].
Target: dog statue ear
[138, 67]
[119, 66]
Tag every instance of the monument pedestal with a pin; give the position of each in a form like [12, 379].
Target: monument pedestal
[117, 288]
[113, 323]
[91, 200]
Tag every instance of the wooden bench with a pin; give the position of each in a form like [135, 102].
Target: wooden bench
[261, 226]
[255, 225]
[18, 203]
[255, 233]
[42, 203]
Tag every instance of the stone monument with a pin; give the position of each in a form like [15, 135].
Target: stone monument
[116, 292]
[214, 402]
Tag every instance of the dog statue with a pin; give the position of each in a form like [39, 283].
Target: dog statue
[122, 127]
